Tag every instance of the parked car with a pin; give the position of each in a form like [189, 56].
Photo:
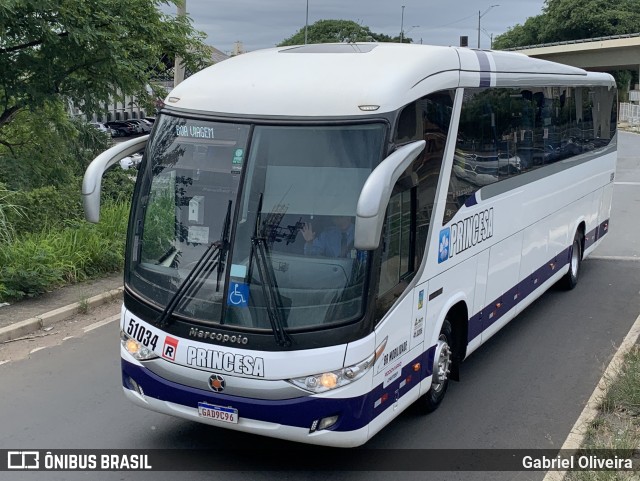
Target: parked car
[137, 128]
[102, 128]
[121, 128]
[144, 126]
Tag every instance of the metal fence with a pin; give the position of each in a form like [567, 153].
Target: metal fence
[629, 113]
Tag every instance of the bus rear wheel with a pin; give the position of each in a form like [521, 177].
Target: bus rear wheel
[570, 279]
[441, 369]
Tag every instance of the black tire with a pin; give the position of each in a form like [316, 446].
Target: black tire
[441, 369]
[570, 279]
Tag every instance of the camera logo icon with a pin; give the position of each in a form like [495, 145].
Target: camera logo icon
[23, 460]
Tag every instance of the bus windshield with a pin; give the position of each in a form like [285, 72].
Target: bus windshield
[283, 235]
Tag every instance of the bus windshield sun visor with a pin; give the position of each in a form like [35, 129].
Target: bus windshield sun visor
[213, 257]
[270, 290]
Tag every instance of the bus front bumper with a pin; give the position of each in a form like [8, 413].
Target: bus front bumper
[290, 419]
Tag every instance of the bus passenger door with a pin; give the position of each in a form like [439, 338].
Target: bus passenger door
[394, 305]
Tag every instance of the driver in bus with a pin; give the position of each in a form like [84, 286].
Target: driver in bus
[335, 241]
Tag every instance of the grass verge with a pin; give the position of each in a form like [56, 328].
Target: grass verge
[35, 263]
[617, 425]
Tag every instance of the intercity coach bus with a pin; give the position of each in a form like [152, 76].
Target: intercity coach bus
[321, 234]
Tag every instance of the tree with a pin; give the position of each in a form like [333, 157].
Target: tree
[528, 34]
[84, 51]
[577, 19]
[47, 148]
[338, 31]
[563, 20]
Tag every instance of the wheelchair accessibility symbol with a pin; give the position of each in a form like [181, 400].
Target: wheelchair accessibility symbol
[238, 294]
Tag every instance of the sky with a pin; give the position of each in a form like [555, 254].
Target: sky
[265, 23]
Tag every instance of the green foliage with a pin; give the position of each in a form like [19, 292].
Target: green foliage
[160, 227]
[54, 207]
[36, 263]
[52, 50]
[47, 148]
[576, 19]
[520, 35]
[46, 207]
[563, 20]
[623, 393]
[338, 31]
[8, 210]
[117, 185]
[623, 80]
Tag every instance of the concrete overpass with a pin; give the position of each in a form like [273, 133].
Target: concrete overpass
[605, 54]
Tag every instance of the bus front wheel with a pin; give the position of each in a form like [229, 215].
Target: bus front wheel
[441, 369]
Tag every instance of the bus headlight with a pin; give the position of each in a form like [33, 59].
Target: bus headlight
[317, 383]
[137, 350]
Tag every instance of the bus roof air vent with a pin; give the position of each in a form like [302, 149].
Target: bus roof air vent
[332, 48]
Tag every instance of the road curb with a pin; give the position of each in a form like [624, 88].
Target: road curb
[24, 328]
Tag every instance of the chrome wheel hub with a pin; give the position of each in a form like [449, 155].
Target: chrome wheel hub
[575, 253]
[442, 364]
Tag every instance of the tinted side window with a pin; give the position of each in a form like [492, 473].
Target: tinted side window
[411, 206]
[396, 243]
[505, 132]
[426, 119]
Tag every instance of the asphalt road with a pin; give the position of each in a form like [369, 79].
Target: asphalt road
[525, 388]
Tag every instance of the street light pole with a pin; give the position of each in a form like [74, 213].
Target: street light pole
[480, 15]
[306, 24]
[402, 26]
[404, 36]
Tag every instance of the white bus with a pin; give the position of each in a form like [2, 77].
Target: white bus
[321, 234]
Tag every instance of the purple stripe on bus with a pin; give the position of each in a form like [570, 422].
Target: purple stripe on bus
[485, 68]
[471, 200]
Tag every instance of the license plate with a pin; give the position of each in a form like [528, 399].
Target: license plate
[219, 413]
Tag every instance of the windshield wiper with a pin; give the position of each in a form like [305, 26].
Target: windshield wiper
[270, 290]
[224, 248]
[214, 256]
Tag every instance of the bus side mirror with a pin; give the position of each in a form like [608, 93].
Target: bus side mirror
[376, 192]
[92, 181]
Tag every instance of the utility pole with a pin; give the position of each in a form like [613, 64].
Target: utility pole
[306, 24]
[178, 69]
[402, 26]
[480, 15]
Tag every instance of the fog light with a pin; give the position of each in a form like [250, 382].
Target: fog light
[136, 387]
[326, 423]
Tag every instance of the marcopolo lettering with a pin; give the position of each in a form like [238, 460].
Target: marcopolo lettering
[471, 231]
[217, 336]
[225, 361]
